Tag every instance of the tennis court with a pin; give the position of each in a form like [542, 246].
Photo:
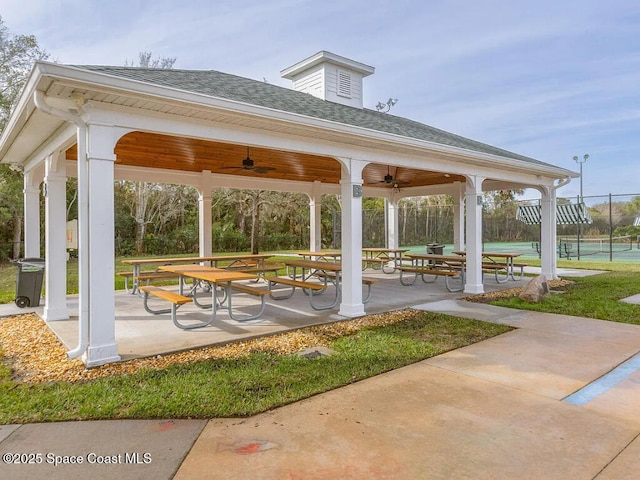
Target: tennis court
[622, 249]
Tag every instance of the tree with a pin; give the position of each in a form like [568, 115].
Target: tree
[17, 55]
[145, 60]
[143, 210]
[250, 203]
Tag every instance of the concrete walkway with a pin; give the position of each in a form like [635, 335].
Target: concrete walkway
[497, 409]
[557, 397]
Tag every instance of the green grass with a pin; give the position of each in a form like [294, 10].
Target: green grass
[591, 265]
[242, 386]
[596, 296]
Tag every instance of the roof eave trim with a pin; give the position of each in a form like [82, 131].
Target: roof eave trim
[75, 74]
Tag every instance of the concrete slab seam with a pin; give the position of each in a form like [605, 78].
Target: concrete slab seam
[604, 383]
[617, 455]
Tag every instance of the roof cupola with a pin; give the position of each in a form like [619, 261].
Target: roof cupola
[330, 77]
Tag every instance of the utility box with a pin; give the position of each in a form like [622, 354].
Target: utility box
[29, 281]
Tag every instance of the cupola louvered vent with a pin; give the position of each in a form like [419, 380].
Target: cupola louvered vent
[344, 84]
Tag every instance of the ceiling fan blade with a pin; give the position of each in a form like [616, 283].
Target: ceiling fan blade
[249, 165]
[262, 169]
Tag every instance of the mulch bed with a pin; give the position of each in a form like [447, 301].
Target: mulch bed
[36, 355]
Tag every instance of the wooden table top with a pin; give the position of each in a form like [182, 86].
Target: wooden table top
[432, 256]
[208, 274]
[319, 254]
[384, 250]
[214, 258]
[493, 254]
[311, 264]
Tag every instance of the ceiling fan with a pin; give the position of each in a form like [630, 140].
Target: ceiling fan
[248, 164]
[389, 180]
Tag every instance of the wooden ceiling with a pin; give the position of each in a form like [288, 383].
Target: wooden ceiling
[192, 155]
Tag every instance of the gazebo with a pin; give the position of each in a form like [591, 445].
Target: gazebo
[102, 123]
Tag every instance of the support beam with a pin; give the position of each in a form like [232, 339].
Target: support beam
[204, 215]
[102, 346]
[351, 197]
[458, 216]
[31, 215]
[473, 202]
[55, 238]
[393, 234]
[548, 229]
[315, 217]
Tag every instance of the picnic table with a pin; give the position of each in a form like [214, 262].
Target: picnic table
[299, 274]
[380, 258]
[498, 261]
[217, 278]
[322, 255]
[244, 261]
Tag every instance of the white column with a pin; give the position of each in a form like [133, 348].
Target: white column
[351, 198]
[473, 201]
[315, 218]
[548, 233]
[102, 346]
[55, 238]
[458, 216]
[393, 237]
[31, 215]
[204, 215]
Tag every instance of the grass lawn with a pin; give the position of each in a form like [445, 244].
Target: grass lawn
[592, 297]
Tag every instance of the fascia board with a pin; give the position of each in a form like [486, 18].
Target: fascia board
[21, 112]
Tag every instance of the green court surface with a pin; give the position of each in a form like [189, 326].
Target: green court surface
[592, 251]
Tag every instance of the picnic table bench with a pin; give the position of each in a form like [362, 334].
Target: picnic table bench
[435, 265]
[380, 258]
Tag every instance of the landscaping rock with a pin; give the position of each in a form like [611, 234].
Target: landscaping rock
[535, 290]
[315, 352]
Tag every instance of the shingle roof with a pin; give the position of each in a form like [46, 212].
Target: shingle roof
[233, 87]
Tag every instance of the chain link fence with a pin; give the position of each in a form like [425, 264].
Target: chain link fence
[609, 230]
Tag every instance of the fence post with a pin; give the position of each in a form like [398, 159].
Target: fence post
[610, 230]
[579, 223]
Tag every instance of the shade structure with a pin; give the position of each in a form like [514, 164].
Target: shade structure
[571, 214]
[636, 222]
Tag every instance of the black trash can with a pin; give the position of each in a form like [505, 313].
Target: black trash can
[29, 281]
[435, 248]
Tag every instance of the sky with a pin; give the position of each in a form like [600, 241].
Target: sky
[547, 79]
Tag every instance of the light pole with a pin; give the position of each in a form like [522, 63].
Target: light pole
[580, 198]
[581, 162]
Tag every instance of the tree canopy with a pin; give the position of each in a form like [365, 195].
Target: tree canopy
[17, 56]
